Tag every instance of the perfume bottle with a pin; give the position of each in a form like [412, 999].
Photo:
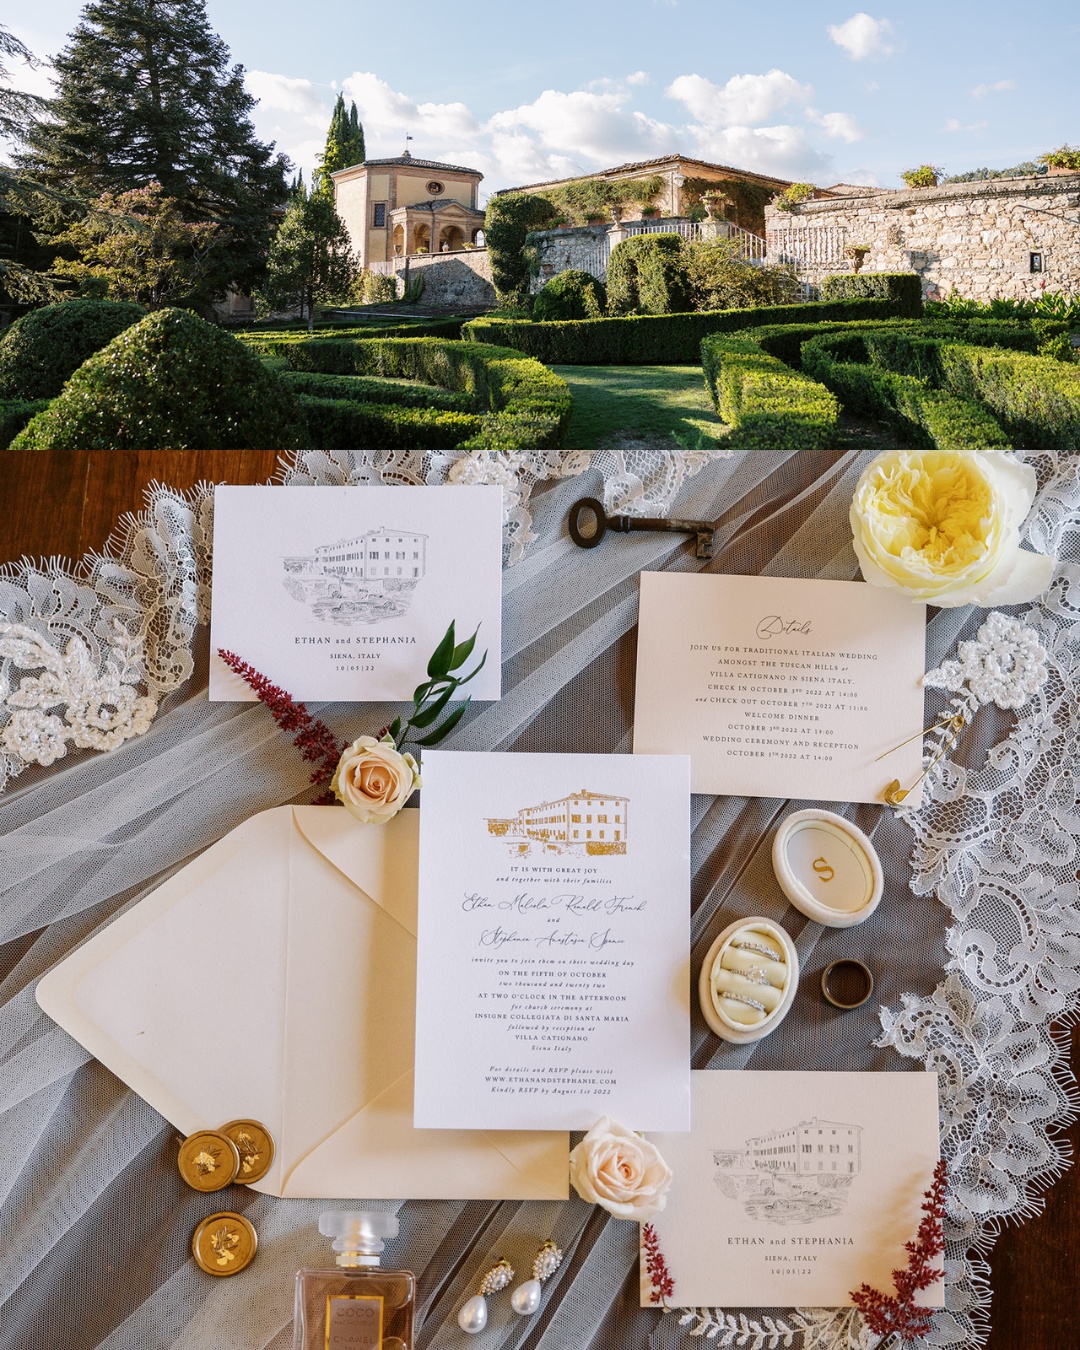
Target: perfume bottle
[355, 1305]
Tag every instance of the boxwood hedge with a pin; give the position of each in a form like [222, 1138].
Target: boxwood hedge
[43, 348]
[1036, 399]
[654, 339]
[769, 405]
[364, 389]
[14, 415]
[170, 382]
[904, 289]
[910, 402]
[521, 405]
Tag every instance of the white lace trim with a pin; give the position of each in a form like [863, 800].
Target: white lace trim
[123, 621]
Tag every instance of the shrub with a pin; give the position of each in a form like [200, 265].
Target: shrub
[507, 223]
[1036, 397]
[926, 175]
[792, 195]
[170, 382]
[903, 288]
[570, 295]
[14, 415]
[645, 340]
[720, 278]
[924, 415]
[40, 350]
[522, 404]
[647, 274]
[769, 405]
[269, 340]
[1064, 157]
[347, 424]
[361, 389]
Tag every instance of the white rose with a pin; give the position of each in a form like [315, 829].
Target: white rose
[373, 780]
[618, 1170]
[944, 525]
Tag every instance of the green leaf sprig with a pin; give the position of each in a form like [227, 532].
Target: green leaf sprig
[431, 697]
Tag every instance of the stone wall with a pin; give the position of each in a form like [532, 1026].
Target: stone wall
[585, 247]
[974, 238]
[460, 278]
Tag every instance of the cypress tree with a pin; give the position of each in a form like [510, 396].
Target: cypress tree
[344, 147]
[145, 94]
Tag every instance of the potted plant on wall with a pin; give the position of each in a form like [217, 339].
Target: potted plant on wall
[925, 176]
[1062, 160]
[792, 195]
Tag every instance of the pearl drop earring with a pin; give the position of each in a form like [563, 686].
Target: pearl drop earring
[526, 1297]
[474, 1314]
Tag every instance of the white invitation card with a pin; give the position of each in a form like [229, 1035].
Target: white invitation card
[793, 1189]
[342, 593]
[779, 687]
[553, 956]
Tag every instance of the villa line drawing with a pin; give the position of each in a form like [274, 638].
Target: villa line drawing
[583, 823]
[366, 579]
[793, 1175]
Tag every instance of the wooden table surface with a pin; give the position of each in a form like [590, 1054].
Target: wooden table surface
[67, 502]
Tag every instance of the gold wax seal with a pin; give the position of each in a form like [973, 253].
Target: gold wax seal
[208, 1160]
[256, 1146]
[224, 1244]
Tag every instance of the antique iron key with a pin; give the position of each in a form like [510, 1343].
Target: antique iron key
[588, 522]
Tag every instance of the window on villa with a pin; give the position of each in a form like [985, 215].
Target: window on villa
[1036, 262]
[379, 220]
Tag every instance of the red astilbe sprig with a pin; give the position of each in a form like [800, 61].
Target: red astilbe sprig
[886, 1314]
[313, 738]
[663, 1286]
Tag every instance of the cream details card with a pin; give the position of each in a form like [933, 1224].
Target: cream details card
[553, 966]
[793, 1189]
[781, 688]
[342, 593]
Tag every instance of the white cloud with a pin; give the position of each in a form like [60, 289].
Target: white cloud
[560, 134]
[840, 126]
[954, 124]
[588, 124]
[745, 100]
[862, 36]
[1000, 87]
[784, 151]
[860, 178]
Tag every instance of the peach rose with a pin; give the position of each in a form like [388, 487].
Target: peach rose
[374, 780]
[620, 1171]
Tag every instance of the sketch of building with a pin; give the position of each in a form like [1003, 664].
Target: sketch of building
[581, 822]
[793, 1175]
[365, 579]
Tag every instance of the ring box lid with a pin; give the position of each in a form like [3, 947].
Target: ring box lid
[827, 868]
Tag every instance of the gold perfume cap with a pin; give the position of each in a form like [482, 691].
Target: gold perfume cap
[224, 1244]
[256, 1147]
[208, 1160]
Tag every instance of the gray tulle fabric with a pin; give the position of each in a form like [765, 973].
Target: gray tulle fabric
[96, 1223]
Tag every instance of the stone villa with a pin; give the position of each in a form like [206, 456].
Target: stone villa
[1000, 237]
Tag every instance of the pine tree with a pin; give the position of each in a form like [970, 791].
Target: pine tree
[145, 94]
[344, 147]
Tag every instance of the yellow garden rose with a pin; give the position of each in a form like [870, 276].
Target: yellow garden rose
[374, 780]
[944, 525]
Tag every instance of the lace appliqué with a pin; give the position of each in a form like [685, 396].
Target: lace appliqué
[71, 700]
[1005, 664]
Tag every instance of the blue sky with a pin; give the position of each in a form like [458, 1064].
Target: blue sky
[823, 93]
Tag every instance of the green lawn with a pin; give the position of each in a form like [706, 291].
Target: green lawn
[618, 403]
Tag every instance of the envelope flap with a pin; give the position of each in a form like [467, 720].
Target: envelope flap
[382, 860]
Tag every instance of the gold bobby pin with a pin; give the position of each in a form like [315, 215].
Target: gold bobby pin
[894, 794]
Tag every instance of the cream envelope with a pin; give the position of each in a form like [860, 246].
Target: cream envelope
[274, 979]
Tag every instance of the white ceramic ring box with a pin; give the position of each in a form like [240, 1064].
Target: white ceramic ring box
[827, 868]
[748, 980]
